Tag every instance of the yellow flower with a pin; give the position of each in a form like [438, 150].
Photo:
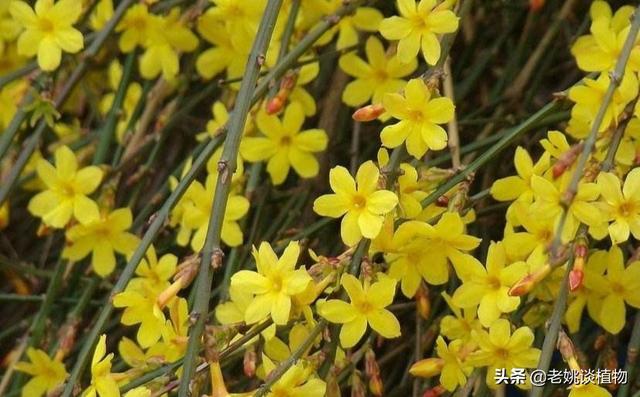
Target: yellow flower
[379, 75]
[273, 285]
[47, 374]
[166, 38]
[453, 370]
[48, 30]
[419, 117]
[410, 191]
[518, 187]
[499, 348]
[101, 237]
[590, 95]
[156, 273]
[488, 288]
[367, 306]
[600, 50]
[548, 203]
[364, 18]
[284, 145]
[297, 381]
[447, 241]
[135, 27]
[174, 333]
[67, 190]
[361, 203]
[461, 324]
[141, 308]
[622, 206]
[417, 28]
[103, 383]
[617, 286]
[9, 27]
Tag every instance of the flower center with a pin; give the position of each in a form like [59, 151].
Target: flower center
[285, 141]
[45, 25]
[502, 353]
[626, 209]
[617, 288]
[359, 201]
[380, 75]
[494, 282]
[364, 307]
[416, 116]
[276, 283]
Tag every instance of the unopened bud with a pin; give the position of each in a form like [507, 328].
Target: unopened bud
[442, 201]
[528, 282]
[185, 274]
[576, 276]
[427, 367]
[357, 387]
[368, 113]
[566, 160]
[249, 362]
[375, 386]
[423, 303]
[276, 104]
[67, 337]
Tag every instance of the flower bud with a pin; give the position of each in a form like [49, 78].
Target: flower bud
[528, 282]
[368, 113]
[249, 362]
[434, 392]
[427, 367]
[423, 304]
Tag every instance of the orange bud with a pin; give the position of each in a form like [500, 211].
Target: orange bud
[528, 282]
[275, 105]
[368, 113]
[442, 201]
[423, 304]
[375, 386]
[576, 276]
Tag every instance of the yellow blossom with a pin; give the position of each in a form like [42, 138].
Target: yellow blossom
[46, 374]
[622, 205]
[284, 145]
[367, 307]
[499, 348]
[66, 191]
[273, 285]
[619, 285]
[102, 238]
[488, 288]
[419, 116]
[453, 370]
[135, 27]
[600, 50]
[379, 75]
[364, 19]
[103, 383]
[417, 28]
[359, 200]
[48, 30]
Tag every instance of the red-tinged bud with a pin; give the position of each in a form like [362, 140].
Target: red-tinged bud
[600, 343]
[249, 363]
[423, 303]
[67, 337]
[576, 277]
[435, 392]
[565, 161]
[368, 113]
[375, 386]
[442, 201]
[275, 105]
[536, 5]
[427, 367]
[528, 282]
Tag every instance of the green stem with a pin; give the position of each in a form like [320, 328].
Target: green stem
[211, 253]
